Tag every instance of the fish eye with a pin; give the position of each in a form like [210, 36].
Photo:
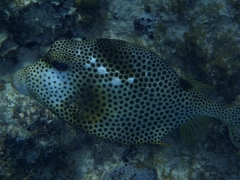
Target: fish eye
[59, 65]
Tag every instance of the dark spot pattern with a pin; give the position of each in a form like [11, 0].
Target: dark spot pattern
[115, 90]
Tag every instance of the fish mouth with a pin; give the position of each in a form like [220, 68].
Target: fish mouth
[19, 84]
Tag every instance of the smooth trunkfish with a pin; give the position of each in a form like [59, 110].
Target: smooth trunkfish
[119, 91]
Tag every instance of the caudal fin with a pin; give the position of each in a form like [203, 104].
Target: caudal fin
[234, 133]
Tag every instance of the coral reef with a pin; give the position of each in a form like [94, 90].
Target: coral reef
[201, 37]
[88, 6]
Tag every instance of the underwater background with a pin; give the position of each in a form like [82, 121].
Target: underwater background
[201, 38]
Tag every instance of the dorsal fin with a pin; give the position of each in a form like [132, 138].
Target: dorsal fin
[195, 129]
[191, 83]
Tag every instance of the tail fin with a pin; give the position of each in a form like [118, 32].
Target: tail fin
[234, 133]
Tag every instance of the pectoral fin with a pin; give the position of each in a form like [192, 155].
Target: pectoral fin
[196, 85]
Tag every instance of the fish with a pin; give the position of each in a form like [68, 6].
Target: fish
[118, 90]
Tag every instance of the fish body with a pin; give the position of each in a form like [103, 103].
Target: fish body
[117, 90]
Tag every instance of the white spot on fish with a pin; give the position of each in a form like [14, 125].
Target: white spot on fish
[102, 70]
[87, 65]
[93, 60]
[130, 80]
[116, 81]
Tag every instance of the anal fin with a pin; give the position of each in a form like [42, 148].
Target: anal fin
[234, 133]
[195, 129]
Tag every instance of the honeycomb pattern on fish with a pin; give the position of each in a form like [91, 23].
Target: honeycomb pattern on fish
[116, 90]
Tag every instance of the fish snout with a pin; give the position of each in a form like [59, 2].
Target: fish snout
[18, 82]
